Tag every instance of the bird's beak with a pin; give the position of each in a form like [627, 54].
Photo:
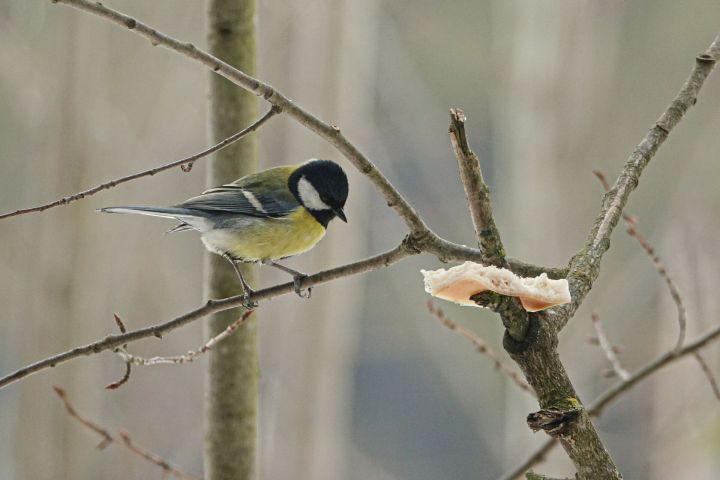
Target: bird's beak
[340, 214]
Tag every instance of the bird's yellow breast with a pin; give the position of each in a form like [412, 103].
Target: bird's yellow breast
[276, 238]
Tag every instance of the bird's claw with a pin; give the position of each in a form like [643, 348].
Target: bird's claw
[298, 290]
[247, 303]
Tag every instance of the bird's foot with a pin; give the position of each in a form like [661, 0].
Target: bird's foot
[298, 290]
[247, 302]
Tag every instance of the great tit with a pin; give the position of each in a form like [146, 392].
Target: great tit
[263, 217]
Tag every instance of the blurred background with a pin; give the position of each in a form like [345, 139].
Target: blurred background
[361, 381]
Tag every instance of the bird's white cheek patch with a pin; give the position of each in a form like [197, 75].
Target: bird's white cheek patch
[309, 196]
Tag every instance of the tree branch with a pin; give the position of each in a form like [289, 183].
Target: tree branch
[597, 406]
[631, 222]
[123, 439]
[477, 192]
[607, 348]
[184, 163]
[585, 265]
[447, 251]
[603, 400]
[189, 356]
[128, 368]
[533, 459]
[708, 374]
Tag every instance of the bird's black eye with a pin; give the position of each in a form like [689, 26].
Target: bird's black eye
[325, 199]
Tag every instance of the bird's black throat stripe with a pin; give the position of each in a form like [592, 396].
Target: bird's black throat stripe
[322, 216]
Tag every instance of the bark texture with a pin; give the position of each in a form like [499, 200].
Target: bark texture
[232, 380]
[545, 372]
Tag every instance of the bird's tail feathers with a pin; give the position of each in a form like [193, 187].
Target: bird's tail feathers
[191, 219]
[165, 212]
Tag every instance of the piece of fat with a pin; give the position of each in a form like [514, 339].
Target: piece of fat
[458, 284]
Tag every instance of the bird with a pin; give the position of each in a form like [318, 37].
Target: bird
[263, 217]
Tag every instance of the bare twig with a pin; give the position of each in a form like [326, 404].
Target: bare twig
[123, 380]
[191, 355]
[606, 186]
[708, 374]
[123, 439]
[618, 349]
[481, 347]
[603, 400]
[476, 191]
[607, 348]
[672, 288]
[128, 368]
[597, 406]
[533, 459]
[585, 265]
[185, 163]
[631, 222]
[107, 437]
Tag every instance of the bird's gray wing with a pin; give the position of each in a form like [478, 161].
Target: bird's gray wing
[233, 198]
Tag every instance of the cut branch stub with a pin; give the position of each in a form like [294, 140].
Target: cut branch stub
[470, 284]
[476, 192]
[556, 422]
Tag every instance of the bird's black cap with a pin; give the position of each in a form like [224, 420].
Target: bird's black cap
[322, 187]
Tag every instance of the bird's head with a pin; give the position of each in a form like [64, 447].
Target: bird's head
[321, 186]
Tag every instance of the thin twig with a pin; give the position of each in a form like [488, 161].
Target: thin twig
[476, 191]
[184, 162]
[191, 355]
[533, 459]
[597, 406]
[123, 380]
[631, 222]
[107, 437]
[606, 398]
[481, 347]
[672, 288]
[123, 439]
[708, 374]
[618, 349]
[608, 348]
[128, 368]
[585, 265]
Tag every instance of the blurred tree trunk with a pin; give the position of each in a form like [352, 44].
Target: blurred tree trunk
[329, 59]
[232, 379]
